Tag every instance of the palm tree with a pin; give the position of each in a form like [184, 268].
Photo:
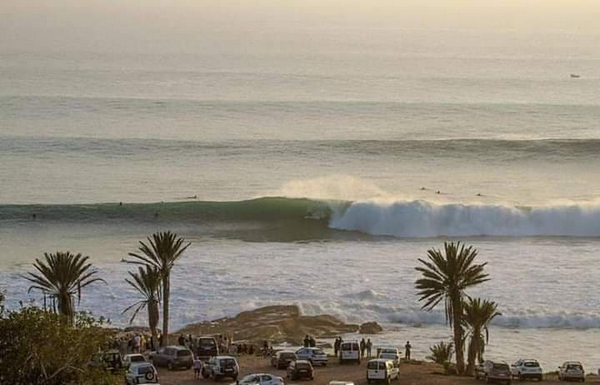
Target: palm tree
[147, 282]
[445, 277]
[161, 252]
[61, 277]
[477, 316]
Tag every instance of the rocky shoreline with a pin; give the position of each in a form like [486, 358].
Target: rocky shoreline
[277, 324]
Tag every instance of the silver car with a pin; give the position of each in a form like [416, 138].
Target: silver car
[571, 370]
[315, 356]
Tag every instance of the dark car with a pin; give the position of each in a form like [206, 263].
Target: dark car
[173, 357]
[207, 347]
[282, 359]
[300, 369]
[492, 371]
[110, 361]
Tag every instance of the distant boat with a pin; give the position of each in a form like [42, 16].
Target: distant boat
[575, 76]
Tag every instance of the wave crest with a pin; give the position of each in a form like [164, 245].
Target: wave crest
[420, 219]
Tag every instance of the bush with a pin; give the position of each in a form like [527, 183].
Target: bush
[39, 347]
[442, 354]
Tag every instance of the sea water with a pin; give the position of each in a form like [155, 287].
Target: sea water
[317, 180]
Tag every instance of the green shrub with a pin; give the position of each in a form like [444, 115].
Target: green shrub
[40, 347]
[442, 354]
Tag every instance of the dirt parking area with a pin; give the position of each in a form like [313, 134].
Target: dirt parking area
[410, 374]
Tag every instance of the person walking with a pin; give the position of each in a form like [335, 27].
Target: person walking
[369, 347]
[197, 367]
[407, 349]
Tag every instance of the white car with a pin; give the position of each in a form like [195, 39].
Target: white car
[133, 359]
[526, 369]
[350, 351]
[260, 379]
[382, 370]
[571, 370]
[335, 382]
[389, 354]
[141, 373]
[316, 356]
[221, 366]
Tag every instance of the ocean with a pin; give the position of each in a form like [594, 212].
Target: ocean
[315, 179]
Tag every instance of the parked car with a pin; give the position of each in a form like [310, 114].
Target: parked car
[133, 358]
[526, 369]
[260, 379]
[207, 347]
[141, 373]
[350, 352]
[382, 370]
[316, 356]
[300, 369]
[173, 357]
[221, 366]
[389, 354]
[110, 361]
[571, 370]
[492, 371]
[282, 359]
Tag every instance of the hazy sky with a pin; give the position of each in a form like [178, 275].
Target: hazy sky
[191, 25]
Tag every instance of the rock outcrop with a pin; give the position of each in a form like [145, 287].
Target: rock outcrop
[370, 328]
[273, 323]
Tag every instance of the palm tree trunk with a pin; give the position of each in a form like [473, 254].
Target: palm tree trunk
[153, 316]
[458, 333]
[166, 293]
[472, 353]
[65, 306]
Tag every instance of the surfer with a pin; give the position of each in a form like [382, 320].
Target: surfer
[34, 216]
[423, 189]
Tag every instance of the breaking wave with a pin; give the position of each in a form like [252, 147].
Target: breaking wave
[404, 219]
[420, 219]
[385, 312]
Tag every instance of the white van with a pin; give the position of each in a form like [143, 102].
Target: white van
[350, 351]
[382, 370]
[389, 354]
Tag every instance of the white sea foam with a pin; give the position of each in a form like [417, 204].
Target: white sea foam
[421, 219]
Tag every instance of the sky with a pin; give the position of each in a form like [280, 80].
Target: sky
[191, 25]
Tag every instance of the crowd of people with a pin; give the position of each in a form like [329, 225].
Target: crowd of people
[135, 343]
